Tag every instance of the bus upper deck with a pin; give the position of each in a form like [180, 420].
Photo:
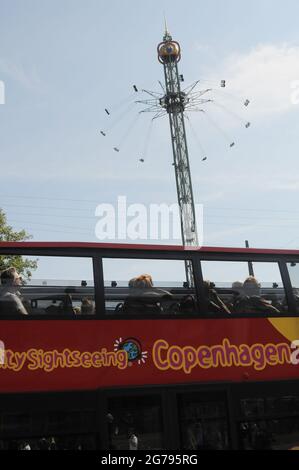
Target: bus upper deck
[104, 272]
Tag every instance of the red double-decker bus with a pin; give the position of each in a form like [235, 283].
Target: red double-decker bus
[107, 346]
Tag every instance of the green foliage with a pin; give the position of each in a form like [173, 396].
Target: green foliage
[24, 266]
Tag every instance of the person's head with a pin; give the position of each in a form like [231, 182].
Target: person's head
[143, 281]
[208, 286]
[87, 307]
[251, 286]
[132, 282]
[10, 278]
[237, 287]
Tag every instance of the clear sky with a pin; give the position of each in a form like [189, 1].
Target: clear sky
[64, 61]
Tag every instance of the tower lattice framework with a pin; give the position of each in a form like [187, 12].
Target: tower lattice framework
[174, 102]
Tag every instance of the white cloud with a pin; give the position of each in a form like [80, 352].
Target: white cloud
[264, 75]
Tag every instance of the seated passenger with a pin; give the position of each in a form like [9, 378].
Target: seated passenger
[87, 307]
[237, 288]
[144, 297]
[145, 286]
[251, 301]
[237, 293]
[215, 304]
[10, 297]
[131, 282]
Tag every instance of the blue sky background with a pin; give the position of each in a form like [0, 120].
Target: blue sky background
[64, 61]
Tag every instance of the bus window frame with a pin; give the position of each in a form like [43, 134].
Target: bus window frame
[161, 255]
[280, 260]
[98, 254]
[61, 253]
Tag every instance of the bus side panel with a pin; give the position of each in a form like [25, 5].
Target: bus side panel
[68, 355]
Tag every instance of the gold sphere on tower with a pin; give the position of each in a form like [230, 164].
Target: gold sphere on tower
[169, 51]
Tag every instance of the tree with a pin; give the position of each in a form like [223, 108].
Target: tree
[24, 266]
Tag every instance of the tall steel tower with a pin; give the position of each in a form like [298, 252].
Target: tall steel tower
[174, 102]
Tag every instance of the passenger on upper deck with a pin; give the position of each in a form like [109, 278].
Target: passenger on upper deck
[143, 296]
[87, 306]
[131, 282]
[10, 297]
[237, 293]
[144, 284]
[252, 301]
[237, 288]
[215, 304]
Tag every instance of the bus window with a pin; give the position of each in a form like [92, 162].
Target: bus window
[48, 430]
[147, 286]
[269, 423]
[50, 285]
[237, 288]
[203, 421]
[135, 423]
[293, 269]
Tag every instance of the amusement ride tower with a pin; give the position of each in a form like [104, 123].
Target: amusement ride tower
[174, 102]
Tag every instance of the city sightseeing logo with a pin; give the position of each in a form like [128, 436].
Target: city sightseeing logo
[125, 353]
[133, 348]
